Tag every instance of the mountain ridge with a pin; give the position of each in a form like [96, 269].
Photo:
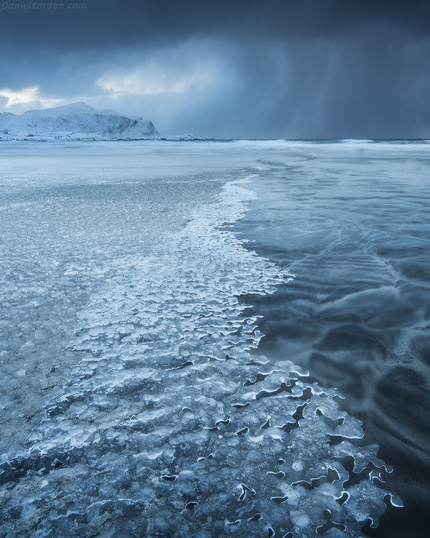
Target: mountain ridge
[76, 121]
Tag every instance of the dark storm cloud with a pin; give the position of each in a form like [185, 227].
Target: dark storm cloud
[108, 23]
[293, 68]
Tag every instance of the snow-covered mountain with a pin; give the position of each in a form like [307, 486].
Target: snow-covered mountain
[77, 121]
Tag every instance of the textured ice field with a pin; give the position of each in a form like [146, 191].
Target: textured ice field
[131, 404]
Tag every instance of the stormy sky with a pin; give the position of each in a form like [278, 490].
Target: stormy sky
[227, 69]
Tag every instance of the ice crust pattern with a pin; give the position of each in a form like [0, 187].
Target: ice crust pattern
[171, 424]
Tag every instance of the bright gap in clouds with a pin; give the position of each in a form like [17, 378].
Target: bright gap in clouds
[17, 97]
[27, 96]
[153, 80]
[177, 72]
[136, 82]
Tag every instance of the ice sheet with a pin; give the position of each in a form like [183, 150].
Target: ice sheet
[132, 403]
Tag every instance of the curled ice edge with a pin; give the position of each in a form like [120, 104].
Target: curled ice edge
[281, 418]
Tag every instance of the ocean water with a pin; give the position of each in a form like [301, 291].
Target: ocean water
[352, 221]
[214, 339]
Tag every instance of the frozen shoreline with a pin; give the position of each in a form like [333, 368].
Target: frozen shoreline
[164, 399]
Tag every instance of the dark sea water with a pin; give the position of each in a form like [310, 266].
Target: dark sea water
[352, 222]
[214, 339]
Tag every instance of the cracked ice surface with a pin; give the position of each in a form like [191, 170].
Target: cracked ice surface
[168, 426]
